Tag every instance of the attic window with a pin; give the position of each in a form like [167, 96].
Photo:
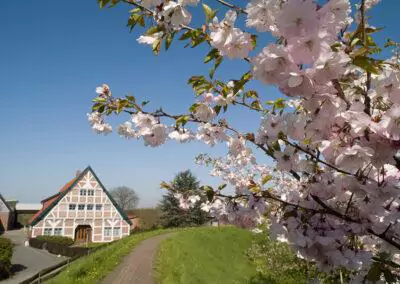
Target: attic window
[90, 192]
[82, 192]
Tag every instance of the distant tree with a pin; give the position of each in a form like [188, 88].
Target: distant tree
[172, 214]
[125, 197]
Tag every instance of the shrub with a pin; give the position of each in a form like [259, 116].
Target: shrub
[276, 263]
[57, 248]
[6, 251]
[57, 240]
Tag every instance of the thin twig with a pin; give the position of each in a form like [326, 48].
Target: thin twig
[238, 9]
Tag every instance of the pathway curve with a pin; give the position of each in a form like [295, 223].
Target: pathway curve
[137, 267]
[27, 261]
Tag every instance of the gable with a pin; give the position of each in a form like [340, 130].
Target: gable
[3, 205]
[86, 180]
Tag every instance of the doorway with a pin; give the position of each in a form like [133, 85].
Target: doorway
[83, 234]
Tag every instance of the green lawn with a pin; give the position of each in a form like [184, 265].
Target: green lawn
[92, 268]
[206, 255]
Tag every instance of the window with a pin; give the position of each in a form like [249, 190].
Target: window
[82, 192]
[57, 231]
[98, 207]
[72, 206]
[81, 206]
[89, 207]
[48, 231]
[90, 192]
[117, 230]
[107, 232]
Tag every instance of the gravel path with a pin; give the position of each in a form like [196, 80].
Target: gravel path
[137, 267]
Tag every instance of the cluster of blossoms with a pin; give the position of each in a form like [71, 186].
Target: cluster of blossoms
[334, 192]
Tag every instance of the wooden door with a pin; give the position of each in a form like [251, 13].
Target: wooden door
[83, 234]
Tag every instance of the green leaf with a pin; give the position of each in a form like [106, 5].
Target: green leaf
[216, 65]
[222, 186]
[266, 179]
[100, 100]
[279, 103]
[374, 274]
[156, 46]
[141, 21]
[256, 104]
[131, 99]
[154, 29]
[211, 55]
[96, 106]
[185, 35]
[182, 120]
[366, 63]
[355, 41]
[145, 103]
[210, 13]
[217, 109]
[194, 107]
[254, 41]
[103, 3]
[168, 40]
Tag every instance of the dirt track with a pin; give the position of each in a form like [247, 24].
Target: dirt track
[137, 267]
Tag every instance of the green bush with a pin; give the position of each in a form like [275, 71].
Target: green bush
[6, 251]
[57, 239]
[276, 263]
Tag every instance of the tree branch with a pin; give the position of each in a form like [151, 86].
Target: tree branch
[238, 9]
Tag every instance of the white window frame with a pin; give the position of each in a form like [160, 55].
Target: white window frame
[90, 192]
[47, 231]
[70, 205]
[117, 231]
[89, 205]
[107, 231]
[79, 207]
[60, 230]
[99, 207]
[82, 192]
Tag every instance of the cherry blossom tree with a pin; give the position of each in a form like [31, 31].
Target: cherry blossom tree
[334, 136]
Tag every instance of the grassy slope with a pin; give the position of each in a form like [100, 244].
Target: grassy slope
[206, 255]
[96, 266]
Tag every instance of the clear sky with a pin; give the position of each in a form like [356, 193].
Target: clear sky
[52, 56]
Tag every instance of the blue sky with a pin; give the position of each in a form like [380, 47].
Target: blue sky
[52, 56]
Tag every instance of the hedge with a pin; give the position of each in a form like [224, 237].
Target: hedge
[57, 240]
[59, 249]
[6, 252]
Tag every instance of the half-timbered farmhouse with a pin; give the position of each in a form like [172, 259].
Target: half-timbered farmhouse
[83, 210]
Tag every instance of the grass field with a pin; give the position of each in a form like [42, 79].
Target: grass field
[92, 268]
[206, 255]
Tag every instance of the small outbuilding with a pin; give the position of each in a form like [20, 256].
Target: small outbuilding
[6, 215]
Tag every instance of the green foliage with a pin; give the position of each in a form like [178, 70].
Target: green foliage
[94, 267]
[6, 252]
[150, 218]
[174, 216]
[276, 263]
[205, 255]
[57, 239]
